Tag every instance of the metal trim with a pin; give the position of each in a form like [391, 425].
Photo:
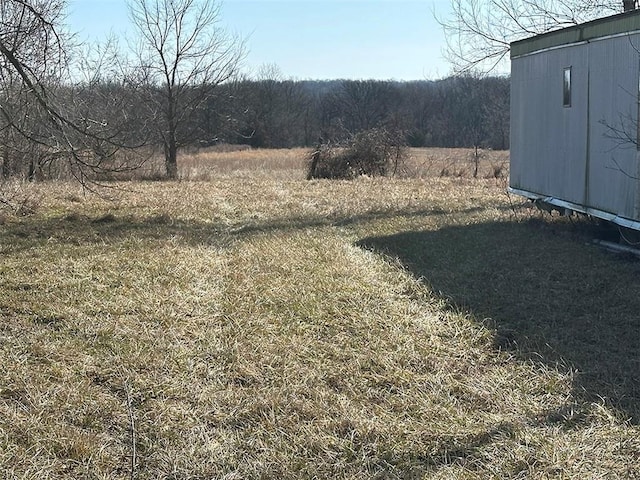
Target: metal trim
[573, 44]
[594, 212]
[601, 28]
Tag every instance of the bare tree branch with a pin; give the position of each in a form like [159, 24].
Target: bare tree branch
[478, 32]
[39, 106]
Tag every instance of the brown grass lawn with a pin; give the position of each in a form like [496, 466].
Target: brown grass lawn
[245, 323]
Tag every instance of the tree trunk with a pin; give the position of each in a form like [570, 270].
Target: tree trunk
[171, 158]
[6, 171]
[476, 160]
[31, 176]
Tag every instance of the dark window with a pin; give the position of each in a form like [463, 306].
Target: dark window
[566, 87]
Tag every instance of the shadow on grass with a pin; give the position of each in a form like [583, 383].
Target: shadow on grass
[75, 229]
[547, 294]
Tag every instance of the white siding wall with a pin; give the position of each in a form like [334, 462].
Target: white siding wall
[564, 152]
[548, 140]
[613, 94]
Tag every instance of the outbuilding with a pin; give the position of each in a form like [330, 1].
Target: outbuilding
[575, 135]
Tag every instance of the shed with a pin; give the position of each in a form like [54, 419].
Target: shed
[575, 135]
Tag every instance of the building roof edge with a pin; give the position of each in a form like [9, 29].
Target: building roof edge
[621, 23]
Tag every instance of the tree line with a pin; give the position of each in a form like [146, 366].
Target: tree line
[463, 111]
[460, 111]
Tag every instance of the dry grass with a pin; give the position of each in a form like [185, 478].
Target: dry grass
[289, 164]
[256, 325]
[236, 161]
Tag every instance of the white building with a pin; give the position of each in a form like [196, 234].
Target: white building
[575, 135]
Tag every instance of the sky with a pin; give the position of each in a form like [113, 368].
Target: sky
[311, 39]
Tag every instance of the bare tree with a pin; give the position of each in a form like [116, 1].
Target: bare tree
[365, 104]
[185, 55]
[31, 55]
[31, 46]
[46, 115]
[273, 109]
[479, 32]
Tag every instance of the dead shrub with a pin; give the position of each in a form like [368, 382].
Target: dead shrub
[497, 171]
[17, 200]
[375, 152]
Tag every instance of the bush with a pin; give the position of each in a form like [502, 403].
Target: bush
[375, 152]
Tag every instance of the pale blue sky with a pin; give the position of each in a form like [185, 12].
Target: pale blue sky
[310, 39]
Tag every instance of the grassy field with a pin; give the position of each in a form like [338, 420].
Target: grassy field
[245, 323]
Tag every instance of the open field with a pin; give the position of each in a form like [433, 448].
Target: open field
[245, 323]
[290, 164]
